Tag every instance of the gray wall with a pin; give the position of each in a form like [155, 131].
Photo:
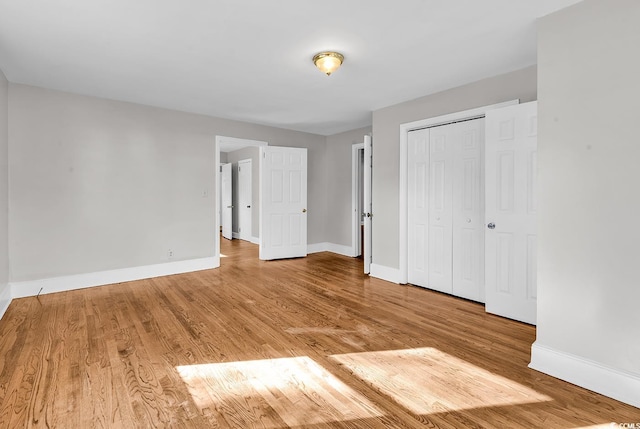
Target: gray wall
[386, 145]
[588, 175]
[338, 182]
[252, 153]
[96, 184]
[4, 180]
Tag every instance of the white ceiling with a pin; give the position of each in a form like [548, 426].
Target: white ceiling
[250, 60]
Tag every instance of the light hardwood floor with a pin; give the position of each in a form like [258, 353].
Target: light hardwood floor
[298, 343]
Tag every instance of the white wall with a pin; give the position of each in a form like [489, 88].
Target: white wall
[338, 183]
[589, 151]
[98, 185]
[386, 145]
[4, 199]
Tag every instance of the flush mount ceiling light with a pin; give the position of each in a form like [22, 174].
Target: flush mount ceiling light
[328, 62]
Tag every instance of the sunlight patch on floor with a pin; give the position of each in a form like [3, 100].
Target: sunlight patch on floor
[222, 255]
[427, 380]
[300, 391]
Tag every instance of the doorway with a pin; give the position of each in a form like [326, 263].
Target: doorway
[361, 221]
[223, 146]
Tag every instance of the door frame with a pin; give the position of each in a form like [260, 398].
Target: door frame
[355, 199]
[405, 128]
[223, 141]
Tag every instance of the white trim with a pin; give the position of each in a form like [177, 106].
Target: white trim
[235, 235]
[317, 248]
[5, 300]
[341, 250]
[330, 247]
[616, 384]
[220, 141]
[255, 240]
[385, 273]
[81, 281]
[478, 112]
[355, 196]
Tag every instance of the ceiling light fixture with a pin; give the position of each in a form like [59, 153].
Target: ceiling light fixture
[328, 62]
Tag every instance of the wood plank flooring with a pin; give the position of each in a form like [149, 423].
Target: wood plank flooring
[302, 343]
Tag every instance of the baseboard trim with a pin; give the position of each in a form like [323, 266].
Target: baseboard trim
[330, 247]
[385, 273]
[81, 281]
[616, 384]
[255, 240]
[5, 300]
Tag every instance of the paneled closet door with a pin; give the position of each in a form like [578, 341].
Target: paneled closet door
[440, 218]
[468, 210]
[418, 200]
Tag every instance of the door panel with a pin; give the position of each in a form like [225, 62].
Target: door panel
[283, 213]
[367, 220]
[244, 199]
[418, 199]
[227, 206]
[510, 248]
[468, 210]
[440, 262]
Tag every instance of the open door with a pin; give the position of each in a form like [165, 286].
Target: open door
[227, 205]
[367, 204]
[244, 199]
[283, 208]
[510, 196]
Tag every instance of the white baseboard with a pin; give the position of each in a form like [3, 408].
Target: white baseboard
[317, 248]
[341, 250]
[331, 247]
[80, 281]
[236, 236]
[385, 273]
[616, 384]
[5, 300]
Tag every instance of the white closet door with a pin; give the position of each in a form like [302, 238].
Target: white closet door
[418, 213]
[510, 252]
[441, 142]
[468, 210]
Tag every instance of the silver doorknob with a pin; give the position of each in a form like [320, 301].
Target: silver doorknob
[468, 220]
[491, 225]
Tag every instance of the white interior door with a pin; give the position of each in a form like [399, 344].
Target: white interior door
[440, 221]
[418, 201]
[244, 200]
[227, 205]
[283, 208]
[510, 240]
[468, 210]
[367, 221]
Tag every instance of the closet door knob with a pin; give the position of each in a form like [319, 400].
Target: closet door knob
[491, 225]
